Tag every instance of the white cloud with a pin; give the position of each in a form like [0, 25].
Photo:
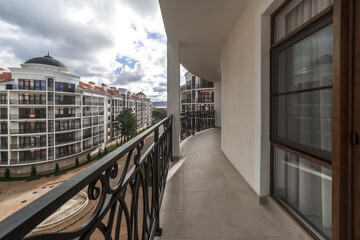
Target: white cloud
[89, 36]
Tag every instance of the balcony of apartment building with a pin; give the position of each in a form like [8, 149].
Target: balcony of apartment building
[67, 125]
[67, 150]
[28, 156]
[66, 88]
[185, 87]
[29, 99]
[236, 181]
[28, 128]
[67, 138]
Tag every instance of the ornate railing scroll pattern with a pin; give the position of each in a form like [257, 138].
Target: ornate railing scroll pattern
[192, 122]
[127, 194]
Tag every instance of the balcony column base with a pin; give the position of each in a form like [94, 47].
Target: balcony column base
[158, 232]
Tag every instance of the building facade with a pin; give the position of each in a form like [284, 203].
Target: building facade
[48, 114]
[196, 94]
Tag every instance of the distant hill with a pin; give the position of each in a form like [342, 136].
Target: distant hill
[159, 104]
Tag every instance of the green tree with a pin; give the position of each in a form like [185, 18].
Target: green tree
[88, 157]
[57, 168]
[158, 115]
[33, 171]
[127, 123]
[7, 173]
[77, 162]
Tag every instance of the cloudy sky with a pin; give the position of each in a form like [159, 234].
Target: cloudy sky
[122, 43]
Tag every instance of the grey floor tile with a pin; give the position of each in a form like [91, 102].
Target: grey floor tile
[195, 185]
[192, 166]
[198, 201]
[202, 224]
[234, 200]
[173, 224]
[214, 173]
[173, 201]
[252, 223]
[193, 173]
[225, 185]
[175, 185]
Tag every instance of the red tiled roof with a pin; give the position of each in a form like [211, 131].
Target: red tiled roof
[1, 69]
[88, 87]
[5, 77]
[112, 91]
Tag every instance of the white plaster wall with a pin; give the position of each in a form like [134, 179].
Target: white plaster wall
[245, 78]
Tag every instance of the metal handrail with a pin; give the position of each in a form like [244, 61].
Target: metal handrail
[148, 173]
[196, 121]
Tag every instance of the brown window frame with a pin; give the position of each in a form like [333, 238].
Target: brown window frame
[323, 160]
[308, 30]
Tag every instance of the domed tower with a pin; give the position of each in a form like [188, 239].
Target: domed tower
[46, 63]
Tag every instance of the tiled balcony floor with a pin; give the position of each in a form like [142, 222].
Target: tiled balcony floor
[206, 198]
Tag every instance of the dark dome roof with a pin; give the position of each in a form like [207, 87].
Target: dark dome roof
[47, 60]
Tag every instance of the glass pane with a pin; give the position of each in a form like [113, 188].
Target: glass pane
[305, 188]
[306, 118]
[306, 64]
[296, 13]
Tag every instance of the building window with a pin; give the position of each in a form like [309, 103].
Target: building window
[301, 112]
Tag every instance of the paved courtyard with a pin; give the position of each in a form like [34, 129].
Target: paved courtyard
[206, 198]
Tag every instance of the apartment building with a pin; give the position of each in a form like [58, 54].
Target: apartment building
[196, 94]
[48, 114]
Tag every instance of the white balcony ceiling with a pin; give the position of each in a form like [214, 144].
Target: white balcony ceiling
[201, 27]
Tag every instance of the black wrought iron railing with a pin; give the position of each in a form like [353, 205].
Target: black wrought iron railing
[192, 122]
[126, 202]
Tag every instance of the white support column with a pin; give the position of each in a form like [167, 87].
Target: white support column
[173, 93]
[217, 103]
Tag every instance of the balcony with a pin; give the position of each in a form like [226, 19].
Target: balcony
[76, 139]
[185, 87]
[186, 100]
[87, 136]
[202, 85]
[27, 146]
[27, 131]
[57, 129]
[86, 114]
[23, 102]
[65, 115]
[68, 103]
[147, 168]
[30, 116]
[205, 100]
[63, 155]
[206, 197]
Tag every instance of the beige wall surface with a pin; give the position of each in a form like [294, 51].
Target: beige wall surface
[237, 76]
[245, 96]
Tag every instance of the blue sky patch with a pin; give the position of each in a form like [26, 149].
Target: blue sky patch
[127, 61]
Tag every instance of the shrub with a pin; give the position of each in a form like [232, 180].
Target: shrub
[57, 168]
[33, 171]
[7, 173]
[117, 144]
[105, 150]
[88, 157]
[99, 153]
[77, 162]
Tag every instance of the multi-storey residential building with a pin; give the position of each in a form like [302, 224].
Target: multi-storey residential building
[48, 114]
[197, 94]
